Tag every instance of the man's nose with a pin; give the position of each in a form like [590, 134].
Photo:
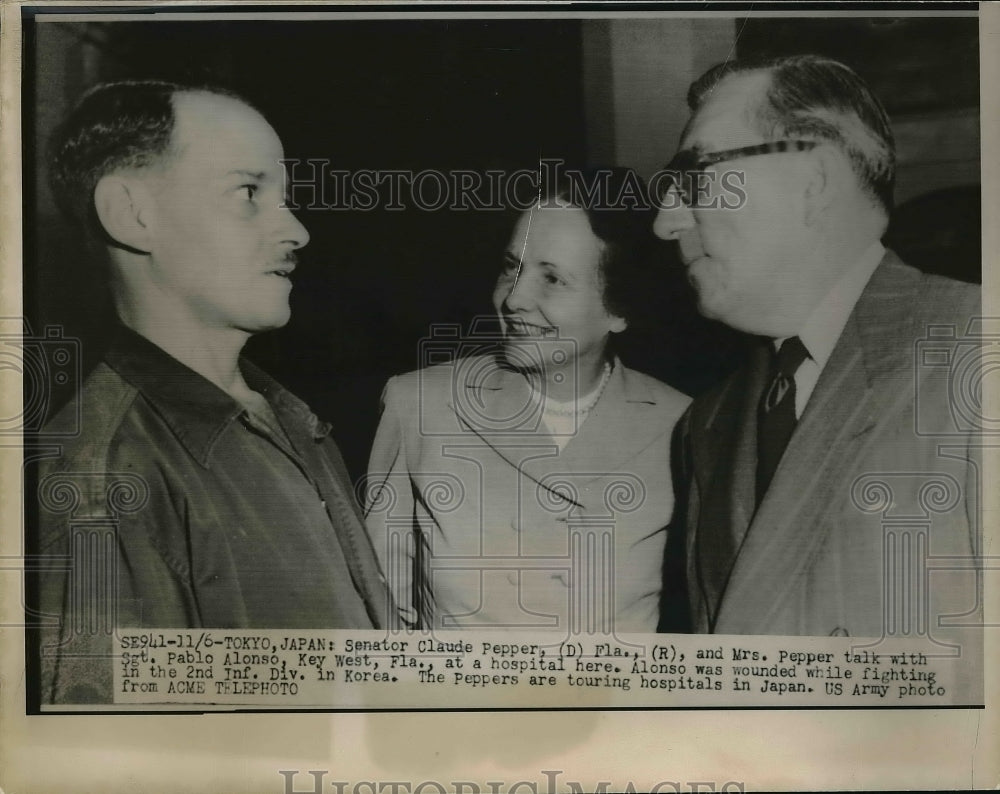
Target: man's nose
[292, 230]
[673, 217]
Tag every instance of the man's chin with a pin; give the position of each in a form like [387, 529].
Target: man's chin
[266, 323]
[711, 301]
[711, 310]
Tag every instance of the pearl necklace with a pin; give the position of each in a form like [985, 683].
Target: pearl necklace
[581, 409]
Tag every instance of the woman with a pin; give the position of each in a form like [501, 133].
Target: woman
[529, 487]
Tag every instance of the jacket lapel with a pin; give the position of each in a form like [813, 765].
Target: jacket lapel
[496, 406]
[726, 480]
[603, 443]
[613, 433]
[855, 388]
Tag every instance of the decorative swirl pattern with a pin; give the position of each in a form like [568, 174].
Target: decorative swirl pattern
[626, 494]
[556, 492]
[443, 493]
[936, 492]
[376, 493]
[60, 493]
[109, 493]
[126, 493]
[871, 495]
[941, 494]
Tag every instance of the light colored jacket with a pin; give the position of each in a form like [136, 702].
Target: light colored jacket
[480, 520]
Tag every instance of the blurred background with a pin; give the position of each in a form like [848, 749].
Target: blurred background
[482, 94]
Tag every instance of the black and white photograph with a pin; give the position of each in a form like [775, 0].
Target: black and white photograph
[410, 366]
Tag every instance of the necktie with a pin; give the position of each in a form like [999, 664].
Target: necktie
[776, 414]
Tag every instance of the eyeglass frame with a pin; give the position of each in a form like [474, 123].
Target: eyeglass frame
[677, 171]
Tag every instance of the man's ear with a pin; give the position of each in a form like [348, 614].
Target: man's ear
[122, 207]
[826, 169]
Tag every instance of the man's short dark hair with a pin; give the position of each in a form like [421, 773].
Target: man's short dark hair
[814, 97]
[120, 125]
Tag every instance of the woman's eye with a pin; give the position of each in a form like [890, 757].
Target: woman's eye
[248, 191]
[552, 278]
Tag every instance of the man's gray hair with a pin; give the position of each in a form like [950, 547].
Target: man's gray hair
[818, 98]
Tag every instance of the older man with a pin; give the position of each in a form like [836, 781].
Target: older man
[229, 503]
[828, 489]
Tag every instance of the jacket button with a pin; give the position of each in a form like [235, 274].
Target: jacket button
[839, 632]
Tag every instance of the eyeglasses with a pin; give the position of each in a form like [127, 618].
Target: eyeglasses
[680, 172]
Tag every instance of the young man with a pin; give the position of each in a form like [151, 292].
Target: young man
[199, 492]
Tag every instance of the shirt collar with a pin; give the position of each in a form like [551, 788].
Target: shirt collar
[196, 410]
[824, 325]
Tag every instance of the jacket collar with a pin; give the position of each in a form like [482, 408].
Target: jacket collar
[884, 318]
[196, 410]
[493, 376]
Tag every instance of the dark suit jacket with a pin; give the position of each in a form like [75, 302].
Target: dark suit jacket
[879, 481]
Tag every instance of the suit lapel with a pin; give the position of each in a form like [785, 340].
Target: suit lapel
[613, 433]
[726, 481]
[858, 382]
[609, 437]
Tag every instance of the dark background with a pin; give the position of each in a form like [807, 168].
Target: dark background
[439, 94]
